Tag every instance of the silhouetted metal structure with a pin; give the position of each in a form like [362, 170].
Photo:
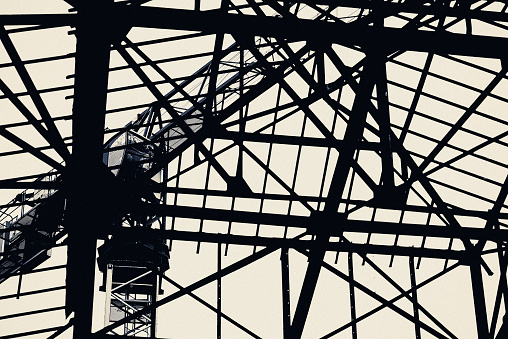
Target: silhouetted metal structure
[266, 169]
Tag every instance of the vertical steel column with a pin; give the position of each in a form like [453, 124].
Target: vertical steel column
[383, 107]
[286, 310]
[479, 297]
[352, 296]
[82, 218]
[219, 287]
[414, 297]
[153, 313]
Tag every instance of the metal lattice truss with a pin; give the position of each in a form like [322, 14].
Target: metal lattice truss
[313, 169]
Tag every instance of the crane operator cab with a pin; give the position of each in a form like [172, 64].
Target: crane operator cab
[130, 279]
[131, 265]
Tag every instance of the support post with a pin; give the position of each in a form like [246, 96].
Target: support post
[286, 310]
[352, 296]
[82, 184]
[479, 299]
[414, 295]
[219, 290]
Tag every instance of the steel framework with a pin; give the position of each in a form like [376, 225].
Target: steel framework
[253, 168]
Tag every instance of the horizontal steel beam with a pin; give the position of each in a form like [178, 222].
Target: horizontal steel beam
[394, 39]
[38, 291]
[417, 7]
[311, 223]
[290, 140]
[289, 243]
[162, 188]
[38, 19]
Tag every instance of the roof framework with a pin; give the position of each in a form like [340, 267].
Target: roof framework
[317, 169]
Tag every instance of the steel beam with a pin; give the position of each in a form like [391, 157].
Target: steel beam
[83, 179]
[352, 300]
[342, 225]
[480, 308]
[219, 291]
[414, 297]
[293, 243]
[296, 29]
[286, 309]
[326, 221]
[301, 29]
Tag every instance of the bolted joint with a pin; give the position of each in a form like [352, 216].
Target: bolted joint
[326, 223]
